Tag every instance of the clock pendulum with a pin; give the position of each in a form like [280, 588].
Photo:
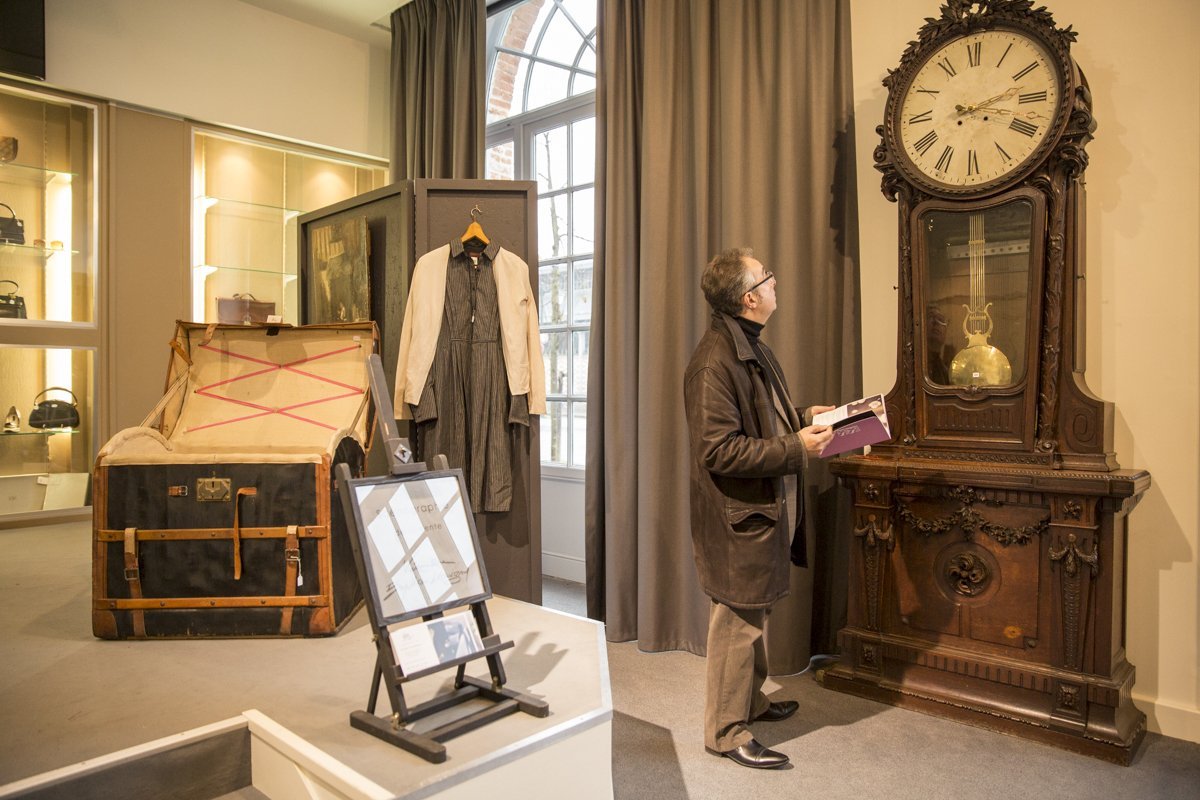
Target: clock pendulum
[979, 363]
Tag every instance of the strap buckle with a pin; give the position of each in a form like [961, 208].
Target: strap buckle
[291, 554]
[133, 574]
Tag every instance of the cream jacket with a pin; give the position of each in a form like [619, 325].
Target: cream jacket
[522, 343]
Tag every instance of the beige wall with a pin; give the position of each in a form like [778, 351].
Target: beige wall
[1143, 326]
[226, 62]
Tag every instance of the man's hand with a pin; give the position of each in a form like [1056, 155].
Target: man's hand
[815, 437]
[814, 410]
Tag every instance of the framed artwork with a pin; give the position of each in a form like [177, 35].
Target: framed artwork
[419, 543]
[339, 272]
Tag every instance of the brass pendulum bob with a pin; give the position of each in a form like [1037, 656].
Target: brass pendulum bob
[979, 363]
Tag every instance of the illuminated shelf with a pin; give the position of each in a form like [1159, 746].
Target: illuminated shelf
[218, 205]
[12, 172]
[33, 251]
[52, 186]
[208, 269]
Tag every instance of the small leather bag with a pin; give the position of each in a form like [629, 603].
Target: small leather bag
[243, 309]
[54, 413]
[12, 230]
[12, 305]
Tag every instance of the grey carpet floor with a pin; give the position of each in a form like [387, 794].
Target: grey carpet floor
[841, 746]
[847, 747]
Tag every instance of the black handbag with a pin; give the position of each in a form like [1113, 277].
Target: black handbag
[54, 413]
[12, 230]
[12, 305]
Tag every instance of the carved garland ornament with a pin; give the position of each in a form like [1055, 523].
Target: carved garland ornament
[874, 537]
[1070, 558]
[971, 521]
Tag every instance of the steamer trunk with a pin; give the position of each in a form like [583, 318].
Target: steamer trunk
[195, 541]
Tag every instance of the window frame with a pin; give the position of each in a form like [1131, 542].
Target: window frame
[522, 130]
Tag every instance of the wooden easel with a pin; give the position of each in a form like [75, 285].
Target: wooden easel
[388, 672]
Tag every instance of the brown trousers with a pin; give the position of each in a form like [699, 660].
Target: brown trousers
[736, 668]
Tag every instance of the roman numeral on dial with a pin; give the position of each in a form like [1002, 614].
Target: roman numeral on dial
[943, 162]
[972, 163]
[1024, 128]
[1032, 97]
[974, 52]
[926, 116]
[925, 142]
[1025, 71]
[947, 67]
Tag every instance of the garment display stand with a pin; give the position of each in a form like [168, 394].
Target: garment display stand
[418, 556]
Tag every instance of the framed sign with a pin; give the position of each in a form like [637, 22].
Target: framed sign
[419, 543]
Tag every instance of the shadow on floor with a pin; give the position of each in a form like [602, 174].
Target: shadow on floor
[645, 763]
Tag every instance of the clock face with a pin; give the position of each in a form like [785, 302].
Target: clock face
[978, 109]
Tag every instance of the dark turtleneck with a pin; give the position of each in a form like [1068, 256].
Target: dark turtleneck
[753, 330]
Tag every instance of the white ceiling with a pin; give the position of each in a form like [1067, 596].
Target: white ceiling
[365, 20]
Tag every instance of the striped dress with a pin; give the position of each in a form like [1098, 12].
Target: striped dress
[466, 409]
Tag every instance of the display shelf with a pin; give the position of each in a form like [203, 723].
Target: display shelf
[25, 431]
[211, 203]
[33, 250]
[246, 197]
[209, 269]
[52, 187]
[17, 173]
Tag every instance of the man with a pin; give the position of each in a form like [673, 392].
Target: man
[749, 451]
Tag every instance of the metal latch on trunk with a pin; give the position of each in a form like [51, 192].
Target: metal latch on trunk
[213, 490]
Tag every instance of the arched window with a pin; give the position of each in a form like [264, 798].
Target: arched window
[542, 127]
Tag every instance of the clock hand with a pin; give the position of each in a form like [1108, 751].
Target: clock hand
[982, 105]
[1025, 114]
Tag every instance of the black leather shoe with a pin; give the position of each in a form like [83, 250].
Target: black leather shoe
[752, 754]
[777, 711]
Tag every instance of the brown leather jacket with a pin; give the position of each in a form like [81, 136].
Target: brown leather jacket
[740, 453]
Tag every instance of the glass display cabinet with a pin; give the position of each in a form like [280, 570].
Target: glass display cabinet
[247, 195]
[48, 320]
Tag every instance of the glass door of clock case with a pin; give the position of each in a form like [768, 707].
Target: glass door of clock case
[978, 277]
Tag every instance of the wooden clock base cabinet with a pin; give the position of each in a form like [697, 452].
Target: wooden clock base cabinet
[993, 595]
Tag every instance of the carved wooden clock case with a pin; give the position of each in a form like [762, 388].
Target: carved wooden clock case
[987, 579]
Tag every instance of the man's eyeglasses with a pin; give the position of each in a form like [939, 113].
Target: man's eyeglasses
[766, 278]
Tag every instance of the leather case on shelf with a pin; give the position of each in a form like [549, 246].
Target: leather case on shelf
[243, 309]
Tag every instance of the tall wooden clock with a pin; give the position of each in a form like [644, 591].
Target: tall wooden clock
[987, 578]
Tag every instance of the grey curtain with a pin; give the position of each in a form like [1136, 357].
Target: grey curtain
[438, 89]
[720, 123]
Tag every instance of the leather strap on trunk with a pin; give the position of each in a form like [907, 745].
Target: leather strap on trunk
[292, 578]
[245, 491]
[133, 575]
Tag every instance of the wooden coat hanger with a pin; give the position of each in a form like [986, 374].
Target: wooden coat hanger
[475, 230]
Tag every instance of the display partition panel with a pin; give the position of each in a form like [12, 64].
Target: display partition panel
[420, 544]
[406, 220]
[507, 212]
